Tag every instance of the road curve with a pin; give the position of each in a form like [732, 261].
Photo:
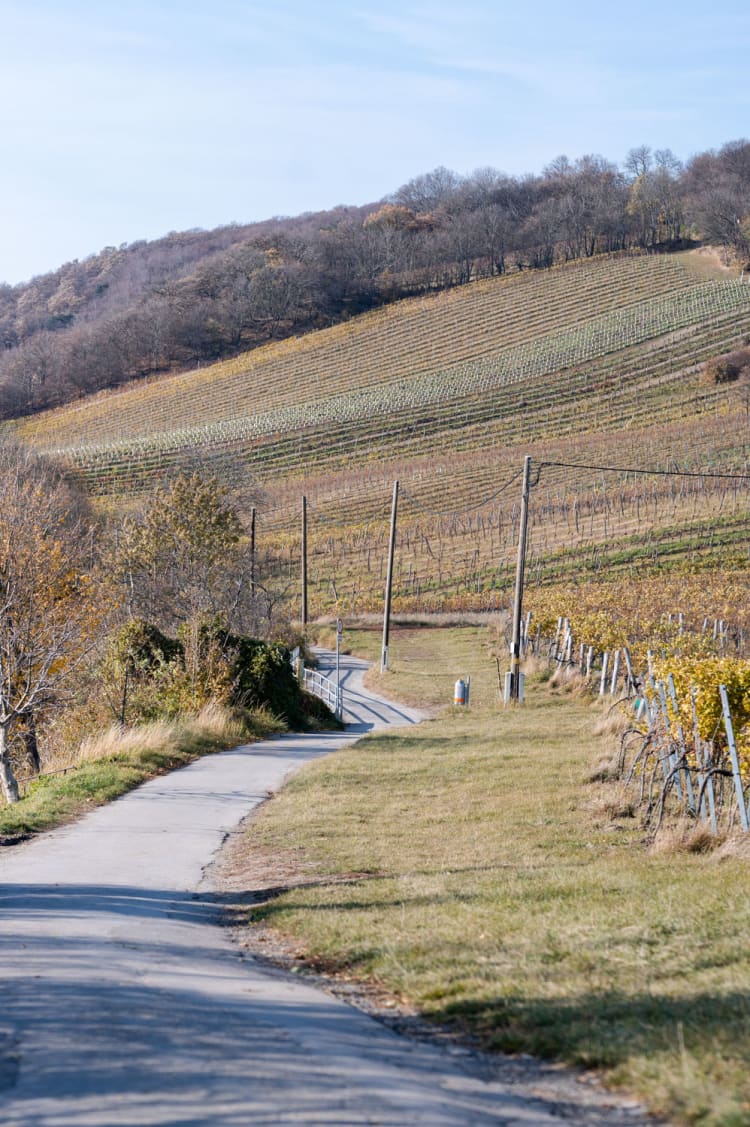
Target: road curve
[124, 1002]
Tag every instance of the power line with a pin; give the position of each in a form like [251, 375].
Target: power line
[276, 521]
[284, 518]
[372, 516]
[287, 521]
[640, 470]
[462, 508]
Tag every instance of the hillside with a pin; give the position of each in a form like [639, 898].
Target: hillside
[596, 363]
[194, 297]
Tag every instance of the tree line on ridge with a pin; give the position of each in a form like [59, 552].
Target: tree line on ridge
[197, 296]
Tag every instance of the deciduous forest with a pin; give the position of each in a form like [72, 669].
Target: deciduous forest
[195, 296]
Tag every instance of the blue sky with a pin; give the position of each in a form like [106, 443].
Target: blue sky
[126, 120]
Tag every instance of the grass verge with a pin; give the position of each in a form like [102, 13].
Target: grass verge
[113, 763]
[424, 662]
[473, 868]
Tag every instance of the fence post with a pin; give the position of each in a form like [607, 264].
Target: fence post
[527, 627]
[655, 717]
[733, 756]
[708, 762]
[681, 741]
[631, 676]
[562, 650]
[671, 756]
[603, 682]
[705, 782]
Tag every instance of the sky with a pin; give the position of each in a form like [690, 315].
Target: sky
[126, 120]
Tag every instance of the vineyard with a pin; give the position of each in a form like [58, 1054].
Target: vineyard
[594, 364]
[551, 353]
[683, 692]
[403, 340]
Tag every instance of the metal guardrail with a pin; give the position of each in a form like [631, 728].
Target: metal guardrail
[326, 690]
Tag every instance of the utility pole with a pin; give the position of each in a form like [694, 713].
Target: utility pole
[252, 551]
[304, 562]
[515, 646]
[389, 581]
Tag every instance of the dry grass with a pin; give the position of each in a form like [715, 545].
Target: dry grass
[611, 803]
[214, 722]
[111, 763]
[610, 727]
[612, 724]
[536, 667]
[735, 845]
[569, 680]
[490, 887]
[685, 837]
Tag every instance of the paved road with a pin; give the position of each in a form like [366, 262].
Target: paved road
[363, 711]
[124, 1002]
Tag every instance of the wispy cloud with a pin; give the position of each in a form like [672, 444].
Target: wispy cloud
[141, 117]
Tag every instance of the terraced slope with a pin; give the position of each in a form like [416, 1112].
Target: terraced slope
[513, 321]
[595, 363]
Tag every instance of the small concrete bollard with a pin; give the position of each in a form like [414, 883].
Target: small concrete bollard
[459, 692]
[508, 688]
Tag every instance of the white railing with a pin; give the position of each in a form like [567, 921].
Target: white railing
[326, 690]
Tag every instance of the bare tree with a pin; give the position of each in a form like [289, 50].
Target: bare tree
[718, 193]
[46, 616]
[429, 191]
[638, 161]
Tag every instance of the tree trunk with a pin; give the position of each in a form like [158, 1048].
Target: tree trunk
[30, 743]
[7, 778]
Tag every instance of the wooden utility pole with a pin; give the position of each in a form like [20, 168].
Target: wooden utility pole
[304, 561]
[515, 646]
[389, 581]
[252, 551]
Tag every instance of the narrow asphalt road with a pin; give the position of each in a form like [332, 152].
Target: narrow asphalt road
[124, 1002]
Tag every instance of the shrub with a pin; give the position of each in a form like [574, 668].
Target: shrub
[262, 675]
[139, 659]
[727, 368]
[148, 676]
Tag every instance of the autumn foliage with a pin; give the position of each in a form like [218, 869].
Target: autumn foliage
[48, 613]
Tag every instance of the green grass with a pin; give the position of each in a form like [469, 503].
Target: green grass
[55, 799]
[496, 889]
